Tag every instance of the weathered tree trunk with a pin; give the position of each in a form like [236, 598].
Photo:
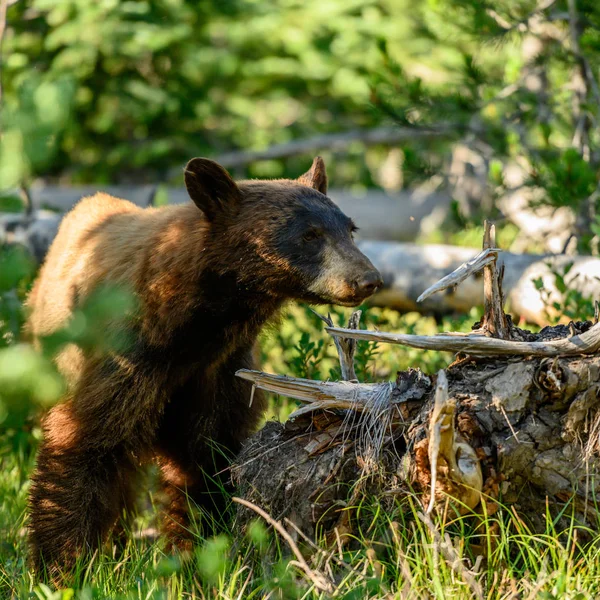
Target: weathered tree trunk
[534, 425]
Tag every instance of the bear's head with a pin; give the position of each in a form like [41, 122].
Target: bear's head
[284, 237]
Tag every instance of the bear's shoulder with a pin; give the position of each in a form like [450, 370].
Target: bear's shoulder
[101, 203]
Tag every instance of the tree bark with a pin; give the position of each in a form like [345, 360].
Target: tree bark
[532, 424]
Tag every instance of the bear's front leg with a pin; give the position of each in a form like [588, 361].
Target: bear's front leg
[202, 430]
[76, 496]
[87, 465]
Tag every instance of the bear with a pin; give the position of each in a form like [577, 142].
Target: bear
[206, 277]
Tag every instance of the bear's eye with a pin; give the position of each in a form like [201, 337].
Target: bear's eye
[311, 235]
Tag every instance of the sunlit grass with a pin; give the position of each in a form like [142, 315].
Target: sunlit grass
[391, 554]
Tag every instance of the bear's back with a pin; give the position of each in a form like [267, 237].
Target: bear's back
[95, 243]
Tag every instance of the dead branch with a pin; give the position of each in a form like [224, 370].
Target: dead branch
[346, 347]
[319, 394]
[480, 345]
[494, 320]
[471, 267]
[337, 142]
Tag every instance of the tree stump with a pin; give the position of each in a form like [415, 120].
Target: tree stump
[533, 424]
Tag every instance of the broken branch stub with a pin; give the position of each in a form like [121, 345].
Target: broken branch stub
[346, 347]
[471, 267]
[318, 394]
[494, 320]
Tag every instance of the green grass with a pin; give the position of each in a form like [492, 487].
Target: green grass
[392, 553]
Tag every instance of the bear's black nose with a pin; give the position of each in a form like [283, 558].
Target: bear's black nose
[368, 283]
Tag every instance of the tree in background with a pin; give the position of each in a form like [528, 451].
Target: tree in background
[146, 84]
[503, 93]
[527, 105]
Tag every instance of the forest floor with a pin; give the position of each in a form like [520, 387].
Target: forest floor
[391, 555]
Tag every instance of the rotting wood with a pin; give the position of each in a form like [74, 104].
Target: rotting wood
[527, 422]
[450, 457]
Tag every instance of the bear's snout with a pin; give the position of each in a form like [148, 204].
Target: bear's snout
[347, 277]
[369, 282]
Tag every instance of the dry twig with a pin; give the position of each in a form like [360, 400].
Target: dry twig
[476, 264]
[494, 319]
[346, 347]
[319, 580]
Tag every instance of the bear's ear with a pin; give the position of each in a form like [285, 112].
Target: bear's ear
[315, 177]
[210, 187]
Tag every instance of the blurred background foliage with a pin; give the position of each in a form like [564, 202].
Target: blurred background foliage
[115, 91]
[485, 100]
[126, 91]
[111, 90]
[139, 86]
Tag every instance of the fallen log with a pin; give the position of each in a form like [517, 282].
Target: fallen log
[407, 270]
[401, 215]
[34, 231]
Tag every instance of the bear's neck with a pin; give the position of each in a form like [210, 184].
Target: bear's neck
[223, 323]
[203, 298]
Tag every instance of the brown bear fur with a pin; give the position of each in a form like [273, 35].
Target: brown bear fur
[205, 282]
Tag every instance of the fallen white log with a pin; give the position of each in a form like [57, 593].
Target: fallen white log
[401, 215]
[409, 269]
[35, 231]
